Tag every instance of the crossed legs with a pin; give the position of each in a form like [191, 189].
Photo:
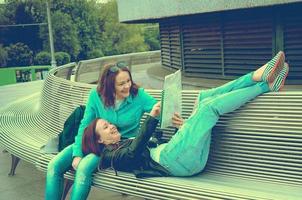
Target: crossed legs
[187, 151]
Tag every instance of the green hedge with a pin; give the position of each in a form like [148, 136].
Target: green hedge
[19, 54]
[62, 58]
[3, 56]
[43, 58]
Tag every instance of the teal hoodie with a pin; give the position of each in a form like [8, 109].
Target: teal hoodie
[126, 118]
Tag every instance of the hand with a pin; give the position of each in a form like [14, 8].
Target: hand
[75, 162]
[155, 110]
[177, 120]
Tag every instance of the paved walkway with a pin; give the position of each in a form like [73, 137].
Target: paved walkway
[10, 93]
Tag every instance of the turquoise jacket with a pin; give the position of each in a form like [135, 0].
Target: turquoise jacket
[126, 117]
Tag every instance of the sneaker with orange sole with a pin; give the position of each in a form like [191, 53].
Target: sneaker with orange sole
[279, 81]
[274, 67]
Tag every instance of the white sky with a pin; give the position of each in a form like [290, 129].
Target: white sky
[101, 1]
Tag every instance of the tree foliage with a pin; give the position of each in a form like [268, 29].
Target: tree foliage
[62, 58]
[16, 12]
[42, 58]
[119, 38]
[19, 54]
[96, 53]
[151, 35]
[3, 56]
[64, 34]
[82, 28]
[85, 17]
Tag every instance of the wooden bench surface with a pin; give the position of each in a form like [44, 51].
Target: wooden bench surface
[256, 151]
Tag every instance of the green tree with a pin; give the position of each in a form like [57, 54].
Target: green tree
[4, 20]
[119, 38]
[88, 27]
[42, 58]
[3, 56]
[96, 53]
[151, 35]
[83, 29]
[19, 54]
[85, 16]
[15, 12]
[64, 34]
[62, 58]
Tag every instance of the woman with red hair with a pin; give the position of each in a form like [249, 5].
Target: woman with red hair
[116, 99]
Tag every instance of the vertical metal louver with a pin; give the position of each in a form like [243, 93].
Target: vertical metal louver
[247, 41]
[230, 44]
[293, 44]
[202, 46]
[170, 45]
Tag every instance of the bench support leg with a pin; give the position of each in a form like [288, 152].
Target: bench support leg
[15, 161]
[67, 185]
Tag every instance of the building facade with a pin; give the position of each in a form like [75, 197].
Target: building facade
[223, 40]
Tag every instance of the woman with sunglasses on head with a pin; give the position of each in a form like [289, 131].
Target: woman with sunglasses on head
[118, 100]
[187, 152]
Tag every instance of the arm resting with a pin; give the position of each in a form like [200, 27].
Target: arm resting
[141, 140]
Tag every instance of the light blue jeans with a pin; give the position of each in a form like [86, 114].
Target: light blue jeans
[187, 152]
[83, 176]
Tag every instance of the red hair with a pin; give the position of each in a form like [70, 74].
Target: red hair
[90, 140]
[106, 83]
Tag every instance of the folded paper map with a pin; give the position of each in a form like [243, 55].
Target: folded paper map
[171, 98]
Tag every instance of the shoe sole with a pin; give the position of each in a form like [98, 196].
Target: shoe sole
[277, 68]
[282, 84]
[283, 81]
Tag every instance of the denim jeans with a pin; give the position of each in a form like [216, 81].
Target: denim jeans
[187, 152]
[83, 176]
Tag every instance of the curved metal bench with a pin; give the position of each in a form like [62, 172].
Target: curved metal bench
[25, 125]
[256, 151]
[88, 70]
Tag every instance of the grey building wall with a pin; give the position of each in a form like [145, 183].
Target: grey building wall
[148, 10]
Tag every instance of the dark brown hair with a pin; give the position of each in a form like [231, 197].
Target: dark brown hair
[106, 84]
[90, 140]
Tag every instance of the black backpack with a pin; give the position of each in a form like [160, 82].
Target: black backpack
[71, 127]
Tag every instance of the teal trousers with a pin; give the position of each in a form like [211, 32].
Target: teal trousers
[83, 175]
[187, 152]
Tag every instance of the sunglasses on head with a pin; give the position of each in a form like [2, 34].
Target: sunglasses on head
[119, 65]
